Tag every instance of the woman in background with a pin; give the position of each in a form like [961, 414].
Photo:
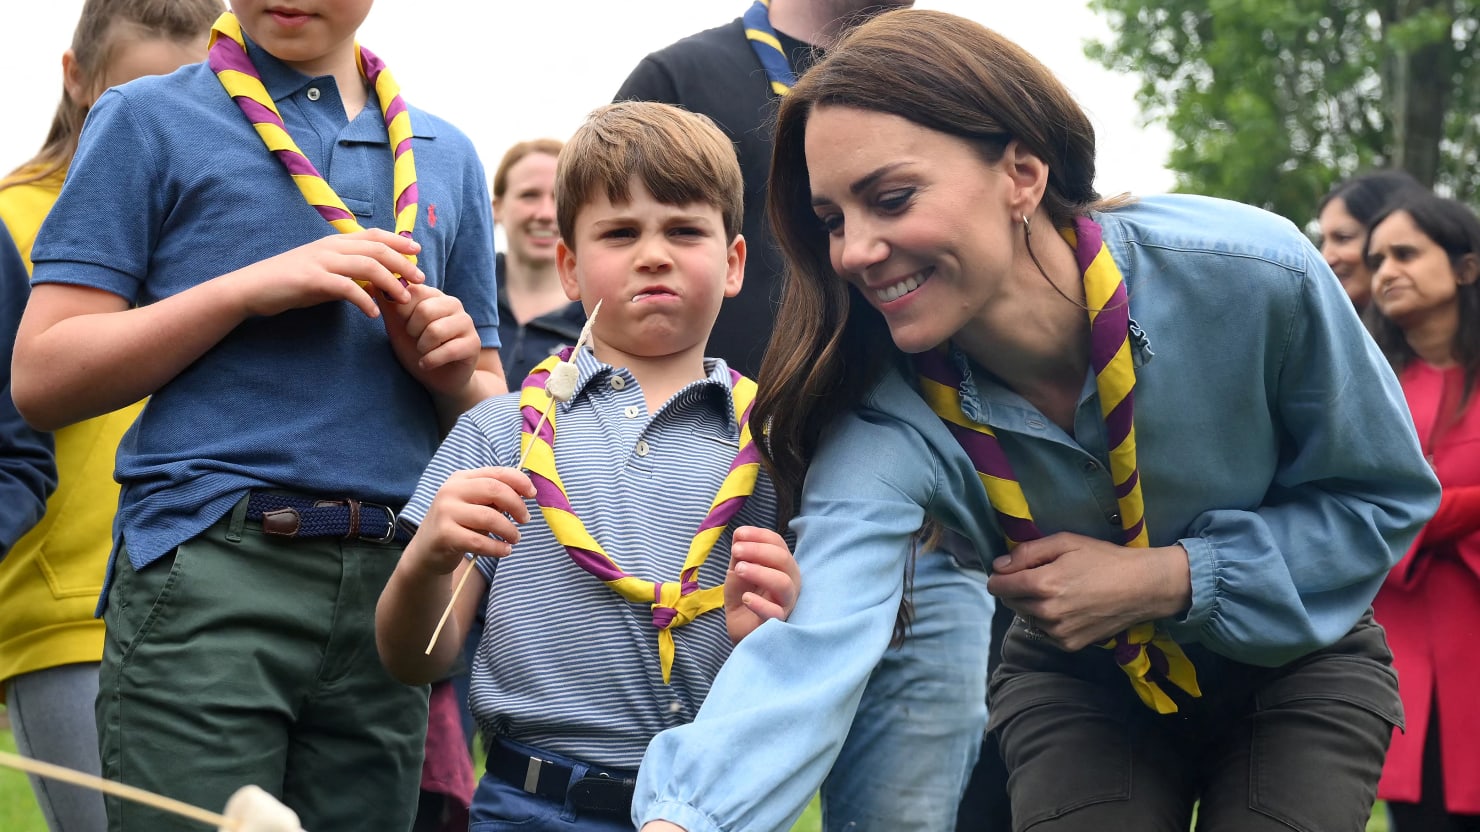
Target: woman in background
[1344, 214]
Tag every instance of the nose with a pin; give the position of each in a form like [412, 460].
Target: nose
[652, 254]
[545, 210]
[1329, 251]
[858, 249]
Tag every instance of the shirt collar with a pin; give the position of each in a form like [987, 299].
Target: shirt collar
[716, 384]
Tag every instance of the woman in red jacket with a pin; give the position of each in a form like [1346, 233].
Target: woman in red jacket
[1424, 252]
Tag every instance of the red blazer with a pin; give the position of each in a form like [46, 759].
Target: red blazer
[1430, 603]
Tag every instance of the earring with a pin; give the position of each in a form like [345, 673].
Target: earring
[1027, 230]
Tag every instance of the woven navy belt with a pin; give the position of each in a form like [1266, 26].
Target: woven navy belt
[599, 791]
[285, 515]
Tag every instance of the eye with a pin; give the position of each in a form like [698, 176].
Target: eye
[832, 223]
[618, 234]
[688, 231]
[1374, 262]
[895, 200]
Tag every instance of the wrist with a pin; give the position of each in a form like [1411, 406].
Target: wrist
[1173, 581]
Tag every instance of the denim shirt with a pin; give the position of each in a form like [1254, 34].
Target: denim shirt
[1274, 445]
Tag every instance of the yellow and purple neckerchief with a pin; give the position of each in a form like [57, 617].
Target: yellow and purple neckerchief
[228, 58]
[674, 603]
[767, 46]
[1148, 657]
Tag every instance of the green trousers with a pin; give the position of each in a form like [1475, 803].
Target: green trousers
[243, 658]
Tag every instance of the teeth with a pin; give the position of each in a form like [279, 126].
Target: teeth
[898, 290]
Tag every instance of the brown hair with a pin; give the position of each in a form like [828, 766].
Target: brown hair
[679, 156]
[939, 71]
[98, 29]
[549, 147]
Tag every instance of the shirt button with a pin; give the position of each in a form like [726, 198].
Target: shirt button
[313, 93]
[642, 448]
[1091, 467]
[1035, 424]
[631, 411]
[618, 383]
[1114, 518]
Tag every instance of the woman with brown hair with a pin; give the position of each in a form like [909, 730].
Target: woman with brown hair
[1159, 419]
[1424, 254]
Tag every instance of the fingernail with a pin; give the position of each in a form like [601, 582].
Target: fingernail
[740, 568]
[1002, 562]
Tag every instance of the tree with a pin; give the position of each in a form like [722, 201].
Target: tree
[1271, 102]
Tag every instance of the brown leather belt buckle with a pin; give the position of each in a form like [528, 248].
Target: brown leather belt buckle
[282, 522]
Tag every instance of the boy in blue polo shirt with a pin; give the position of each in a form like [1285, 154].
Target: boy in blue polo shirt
[301, 362]
[608, 622]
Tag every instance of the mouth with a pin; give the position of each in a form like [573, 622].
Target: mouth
[288, 15]
[652, 293]
[542, 235]
[900, 288]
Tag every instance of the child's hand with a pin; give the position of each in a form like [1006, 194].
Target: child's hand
[433, 338]
[326, 270]
[763, 581]
[469, 507]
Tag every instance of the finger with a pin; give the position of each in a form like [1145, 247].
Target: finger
[468, 541]
[1015, 588]
[487, 520]
[512, 477]
[775, 584]
[1031, 554]
[390, 239]
[763, 608]
[498, 493]
[758, 534]
[456, 351]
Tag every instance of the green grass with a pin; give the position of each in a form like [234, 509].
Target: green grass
[18, 812]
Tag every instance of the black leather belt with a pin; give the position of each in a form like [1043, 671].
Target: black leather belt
[286, 515]
[601, 790]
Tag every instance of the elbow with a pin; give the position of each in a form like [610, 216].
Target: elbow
[32, 406]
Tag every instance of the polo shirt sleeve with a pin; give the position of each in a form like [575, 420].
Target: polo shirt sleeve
[1350, 493]
[103, 228]
[780, 708]
[470, 262]
[28, 471]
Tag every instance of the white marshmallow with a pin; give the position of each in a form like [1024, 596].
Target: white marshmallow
[561, 384]
[254, 810]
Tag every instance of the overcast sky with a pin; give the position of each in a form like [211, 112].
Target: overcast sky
[505, 71]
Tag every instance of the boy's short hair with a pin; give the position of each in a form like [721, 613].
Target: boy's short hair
[681, 157]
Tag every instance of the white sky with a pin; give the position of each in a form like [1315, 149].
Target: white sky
[504, 71]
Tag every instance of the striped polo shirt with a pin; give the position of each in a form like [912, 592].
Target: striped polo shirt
[565, 663]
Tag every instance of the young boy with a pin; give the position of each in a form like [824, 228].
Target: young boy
[572, 680]
[189, 259]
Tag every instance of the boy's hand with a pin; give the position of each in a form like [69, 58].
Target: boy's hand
[762, 583]
[433, 338]
[326, 270]
[468, 508]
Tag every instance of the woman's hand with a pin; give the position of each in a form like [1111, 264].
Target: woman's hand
[1080, 590]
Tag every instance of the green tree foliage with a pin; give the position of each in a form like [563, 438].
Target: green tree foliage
[1271, 102]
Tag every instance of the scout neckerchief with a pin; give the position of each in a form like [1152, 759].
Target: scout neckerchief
[768, 48]
[674, 603]
[1141, 649]
[231, 63]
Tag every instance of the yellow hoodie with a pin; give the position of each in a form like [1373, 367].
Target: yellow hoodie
[51, 579]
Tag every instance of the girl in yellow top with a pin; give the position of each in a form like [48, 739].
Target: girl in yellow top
[50, 641]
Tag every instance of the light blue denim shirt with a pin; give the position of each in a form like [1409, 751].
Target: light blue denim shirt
[1274, 445]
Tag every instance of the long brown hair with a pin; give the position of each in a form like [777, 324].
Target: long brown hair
[939, 71]
[98, 29]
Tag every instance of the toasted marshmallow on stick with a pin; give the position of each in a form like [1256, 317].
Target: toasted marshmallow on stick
[252, 809]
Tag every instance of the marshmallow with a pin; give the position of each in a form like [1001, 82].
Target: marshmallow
[561, 384]
[254, 810]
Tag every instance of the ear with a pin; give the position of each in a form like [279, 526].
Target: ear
[73, 81]
[565, 264]
[735, 266]
[1467, 269]
[498, 206]
[1029, 177]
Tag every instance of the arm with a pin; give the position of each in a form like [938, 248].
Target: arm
[1350, 492]
[801, 680]
[469, 509]
[27, 466]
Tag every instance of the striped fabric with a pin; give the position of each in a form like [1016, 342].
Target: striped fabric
[564, 664]
[674, 603]
[1147, 656]
[228, 58]
[767, 47]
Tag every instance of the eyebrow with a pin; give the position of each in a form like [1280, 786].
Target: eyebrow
[864, 182]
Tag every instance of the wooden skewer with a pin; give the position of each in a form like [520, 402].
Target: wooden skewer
[138, 795]
[523, 457]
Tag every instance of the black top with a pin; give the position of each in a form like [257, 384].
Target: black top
[522, 347]
[717, 73]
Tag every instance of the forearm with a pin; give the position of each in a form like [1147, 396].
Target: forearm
[70, 367]
[407, 615]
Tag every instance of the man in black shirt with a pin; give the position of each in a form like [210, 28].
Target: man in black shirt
[906, 760]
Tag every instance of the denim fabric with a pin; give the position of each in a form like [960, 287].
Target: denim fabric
[1265, 417]
[51, 714]
[919, 726]
[500, 806]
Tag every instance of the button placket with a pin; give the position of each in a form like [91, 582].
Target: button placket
[313, 93]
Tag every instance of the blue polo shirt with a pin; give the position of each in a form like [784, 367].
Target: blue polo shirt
[171, 187]
[565, 663]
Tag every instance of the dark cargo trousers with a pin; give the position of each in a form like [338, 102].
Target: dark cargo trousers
[243, 658]
[1298, 747]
